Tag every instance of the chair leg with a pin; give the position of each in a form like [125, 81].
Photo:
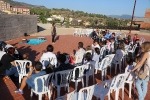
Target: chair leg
[116, 94]
[123, 93]
[82, 83]
[76, 85]
[93, 79]
[68, 87]
[115, 68]
[130, 86]
[40, 97]
[49, 95]
[31, 94]
[58, 91]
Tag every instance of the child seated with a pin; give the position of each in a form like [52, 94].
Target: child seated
[34, 72]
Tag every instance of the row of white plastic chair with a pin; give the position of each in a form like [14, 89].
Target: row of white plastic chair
[100, 90]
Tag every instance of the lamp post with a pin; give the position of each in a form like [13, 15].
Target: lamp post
[132, 17]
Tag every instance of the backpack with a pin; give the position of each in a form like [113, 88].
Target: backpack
[142, 71]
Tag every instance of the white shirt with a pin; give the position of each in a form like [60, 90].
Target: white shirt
[50, 55]
[95, 46]
[96, 57]
[79, 55]
[1, 54]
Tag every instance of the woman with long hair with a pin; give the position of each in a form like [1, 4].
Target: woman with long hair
[53, 32]
[142, 84]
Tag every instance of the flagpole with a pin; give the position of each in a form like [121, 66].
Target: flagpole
[132, 17]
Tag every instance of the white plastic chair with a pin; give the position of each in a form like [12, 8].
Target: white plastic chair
[102, 52]
[133, 50]
[117, 84]
[90, 72]
[102, 90]
[69, 96]
[22, 66]
[102, 66]
[45, 80]
[46, 61]
[130, 80]
[78, 73]
[63, 81]
[82, 95]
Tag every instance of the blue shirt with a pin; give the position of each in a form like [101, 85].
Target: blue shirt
[30, 81]
[108, 35]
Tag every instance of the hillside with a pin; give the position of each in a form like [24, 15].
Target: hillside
[15, 3]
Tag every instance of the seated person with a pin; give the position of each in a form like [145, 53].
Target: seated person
[88, 49]
[62, 66]
[34, 72]
[108, 35]
[49, 54]
[78, 57]
[8, 67]
[96, 54]
[95, 44]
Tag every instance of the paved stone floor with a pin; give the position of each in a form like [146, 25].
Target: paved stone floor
[64, 43]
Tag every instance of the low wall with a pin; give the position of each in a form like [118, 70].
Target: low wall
[14, 26]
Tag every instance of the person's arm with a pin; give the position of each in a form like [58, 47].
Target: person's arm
[141, 62]
[13, 63]
[31, 71]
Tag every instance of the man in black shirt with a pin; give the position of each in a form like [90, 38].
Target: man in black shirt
[8, 66]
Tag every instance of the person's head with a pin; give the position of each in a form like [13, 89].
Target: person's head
[61, 58]
[135, 35]
[138, 59]
[11, 50]
[145, 47]
[88, 56]
[25, 56]
[113, 34]
[112, 39]
[95, 42]
[107, 41]
[129, 61]
[53, 24]
[129, 38]
[97, 51]
[50, 48]
[38, 66]
[80, 45]
[121, 45]
[88, 48]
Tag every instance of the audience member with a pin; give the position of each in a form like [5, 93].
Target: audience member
[8, 67]
[95, 44]
[96, 54]
[108, 35]
[49, 54]
[34, 72]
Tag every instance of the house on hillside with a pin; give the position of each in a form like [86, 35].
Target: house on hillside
[20, 10]
[74, 22]
[4, 6]
[144, 23]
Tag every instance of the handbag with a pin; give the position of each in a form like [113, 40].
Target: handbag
[142, 71]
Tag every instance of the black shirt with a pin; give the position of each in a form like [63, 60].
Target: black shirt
[6, 63]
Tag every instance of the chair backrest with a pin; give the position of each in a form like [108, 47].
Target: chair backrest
[90, 67]
[103, 51]
[45, 82]
[134, 47]
[103, 64]
[69, 96]
[78, 72]
[86, 93]
[63, 77]
[46, 61]
[22, 66]
[118, 81]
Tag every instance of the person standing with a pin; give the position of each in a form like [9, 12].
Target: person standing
[53, 32]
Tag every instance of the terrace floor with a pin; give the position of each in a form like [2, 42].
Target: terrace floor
[64, 43]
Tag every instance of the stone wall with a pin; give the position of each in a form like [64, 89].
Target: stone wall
[13, 26]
